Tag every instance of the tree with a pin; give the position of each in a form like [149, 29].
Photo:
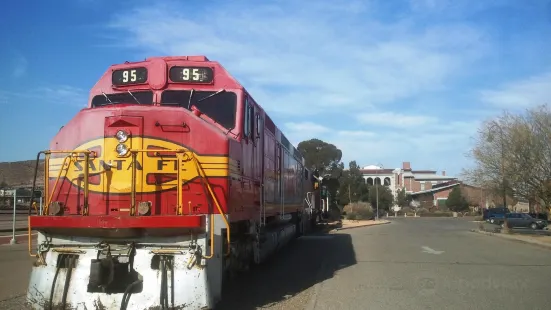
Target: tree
[323, 158]
[352, 185]
[386, 199]
[456, 201]
[319, 155]
[513, 154]
[401, 198]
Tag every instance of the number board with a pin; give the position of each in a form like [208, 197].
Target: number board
[199, 75]
[129, 76]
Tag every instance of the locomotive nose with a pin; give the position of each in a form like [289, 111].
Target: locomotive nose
[122, 134]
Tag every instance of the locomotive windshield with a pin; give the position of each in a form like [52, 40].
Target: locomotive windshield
[221, 106]
[142, 97]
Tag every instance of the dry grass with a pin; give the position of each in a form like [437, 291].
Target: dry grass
[21, 173]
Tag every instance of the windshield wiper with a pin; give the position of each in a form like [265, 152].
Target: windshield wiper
[105, 95]
[189, 101]
[133, 96]
[210, 96]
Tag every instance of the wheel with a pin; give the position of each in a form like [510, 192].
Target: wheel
[534, 226]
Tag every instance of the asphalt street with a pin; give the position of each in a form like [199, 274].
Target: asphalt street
[412, 263]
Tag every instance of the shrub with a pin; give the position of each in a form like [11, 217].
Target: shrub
[438, 213]
[406, 210]
[358, 211]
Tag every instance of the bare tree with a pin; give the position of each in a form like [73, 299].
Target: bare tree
[513, 156]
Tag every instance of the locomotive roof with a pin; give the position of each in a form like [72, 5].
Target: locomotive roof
[158, 79]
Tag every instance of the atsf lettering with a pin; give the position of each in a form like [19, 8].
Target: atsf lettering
[124, 164]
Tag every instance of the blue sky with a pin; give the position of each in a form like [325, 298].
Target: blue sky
[385, 81]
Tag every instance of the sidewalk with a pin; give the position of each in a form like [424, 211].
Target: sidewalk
[541, 240]
[349, 224]
[20, 238]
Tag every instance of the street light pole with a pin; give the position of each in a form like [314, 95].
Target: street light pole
[377, 197]
[13, 241]
[377, 192]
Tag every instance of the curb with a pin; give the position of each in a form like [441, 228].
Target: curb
[359, 226]
[500, 235]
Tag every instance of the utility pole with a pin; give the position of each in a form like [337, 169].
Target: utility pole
[349, 195]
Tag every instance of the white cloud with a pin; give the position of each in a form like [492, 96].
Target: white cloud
[309, 127]
[428, 147]
[59, 95]
[393, 119]
[521, 94]
[356, 133]
[347, 72]
[322, 58]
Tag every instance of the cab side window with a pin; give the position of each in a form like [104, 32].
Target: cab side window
[248, 119]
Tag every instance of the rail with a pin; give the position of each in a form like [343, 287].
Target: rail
[181, 155]
[47, 196]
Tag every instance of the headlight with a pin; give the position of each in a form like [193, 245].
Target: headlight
[122, 136]
[122, 149]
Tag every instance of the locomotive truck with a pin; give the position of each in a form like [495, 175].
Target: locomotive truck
[172, 178]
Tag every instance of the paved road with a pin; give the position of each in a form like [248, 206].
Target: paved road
[6, 221]
[417, 263]
[15, 264]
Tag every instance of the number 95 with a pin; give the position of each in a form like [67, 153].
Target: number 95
[194, 74]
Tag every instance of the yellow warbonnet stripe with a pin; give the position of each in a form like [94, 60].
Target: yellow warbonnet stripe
[114, 173]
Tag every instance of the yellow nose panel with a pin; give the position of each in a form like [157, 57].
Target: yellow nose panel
[155, 170]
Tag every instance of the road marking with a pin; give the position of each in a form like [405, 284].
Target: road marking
[428, 250]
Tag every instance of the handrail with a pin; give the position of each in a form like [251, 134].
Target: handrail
[72, 154]
[213, 196]
[47, 197]
[180, 155]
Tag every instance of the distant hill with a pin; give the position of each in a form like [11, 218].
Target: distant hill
[21, 173]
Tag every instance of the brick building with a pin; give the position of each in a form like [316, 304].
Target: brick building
[431, 189]
[427, 187]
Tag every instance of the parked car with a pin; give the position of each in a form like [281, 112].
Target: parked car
[520, 220]
[491, 214]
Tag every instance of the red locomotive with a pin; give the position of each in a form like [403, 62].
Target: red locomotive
[171, 178]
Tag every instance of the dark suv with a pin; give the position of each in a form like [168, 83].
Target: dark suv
[493, 215]
[517, 220]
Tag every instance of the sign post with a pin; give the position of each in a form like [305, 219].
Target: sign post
[13, 241]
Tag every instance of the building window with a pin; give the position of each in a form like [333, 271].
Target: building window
[422, 186]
